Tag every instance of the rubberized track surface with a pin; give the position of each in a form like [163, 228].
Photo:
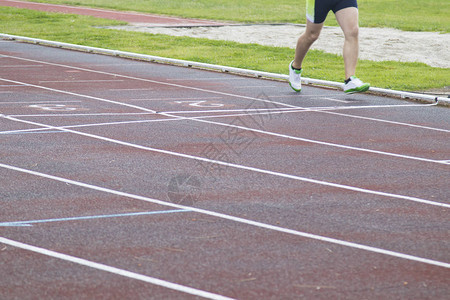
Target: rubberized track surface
[127, 179]
[132, 17]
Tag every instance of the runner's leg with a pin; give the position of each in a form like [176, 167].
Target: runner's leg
[305, 41]
[348, 20]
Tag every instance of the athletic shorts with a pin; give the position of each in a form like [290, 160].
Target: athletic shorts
[317, 10]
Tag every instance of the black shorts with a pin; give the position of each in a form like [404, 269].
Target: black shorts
[317, 10]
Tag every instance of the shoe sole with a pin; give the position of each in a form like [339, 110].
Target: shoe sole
[297, 90]
[360, 89]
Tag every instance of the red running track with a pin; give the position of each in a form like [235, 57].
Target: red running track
[132, 17]
[142, 180]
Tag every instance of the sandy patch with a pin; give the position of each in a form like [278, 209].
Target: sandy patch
[378, 44]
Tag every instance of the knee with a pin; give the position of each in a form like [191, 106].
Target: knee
[312, 36]
[352, 33]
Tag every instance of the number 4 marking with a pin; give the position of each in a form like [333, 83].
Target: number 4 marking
[201, 103]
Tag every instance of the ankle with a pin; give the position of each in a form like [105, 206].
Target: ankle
[295, 68]
[348, 79]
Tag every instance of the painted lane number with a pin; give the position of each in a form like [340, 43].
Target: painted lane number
[53, 107]
[201, 103]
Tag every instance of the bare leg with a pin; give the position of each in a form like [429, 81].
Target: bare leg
[348, 20]
[305, 41]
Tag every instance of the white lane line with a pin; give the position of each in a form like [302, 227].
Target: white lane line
[145, 213]
[80, 81]
[304, 109]
[247, 110]
[131, 63]
[224, 78]
[309, 96]
[131, 90]
[21, 66]
[219, 93]
[34, 102]
[84, 115]
[38, 130]
[113, 270]
[80, 95]
[237, 166]
[176, 99]
[255, 86]
[387, 121]
[335, 100]
[30, 131]
[233, 218]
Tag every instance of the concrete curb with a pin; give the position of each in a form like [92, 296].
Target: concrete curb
[393, 93]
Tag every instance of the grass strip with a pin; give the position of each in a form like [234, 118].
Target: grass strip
[412, 15]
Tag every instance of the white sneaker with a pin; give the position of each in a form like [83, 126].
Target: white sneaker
[355, 86]
[295, 78]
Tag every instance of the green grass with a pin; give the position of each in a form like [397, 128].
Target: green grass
[414, 15]
[80, 30]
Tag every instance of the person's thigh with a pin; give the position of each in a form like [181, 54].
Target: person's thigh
[348, 20]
